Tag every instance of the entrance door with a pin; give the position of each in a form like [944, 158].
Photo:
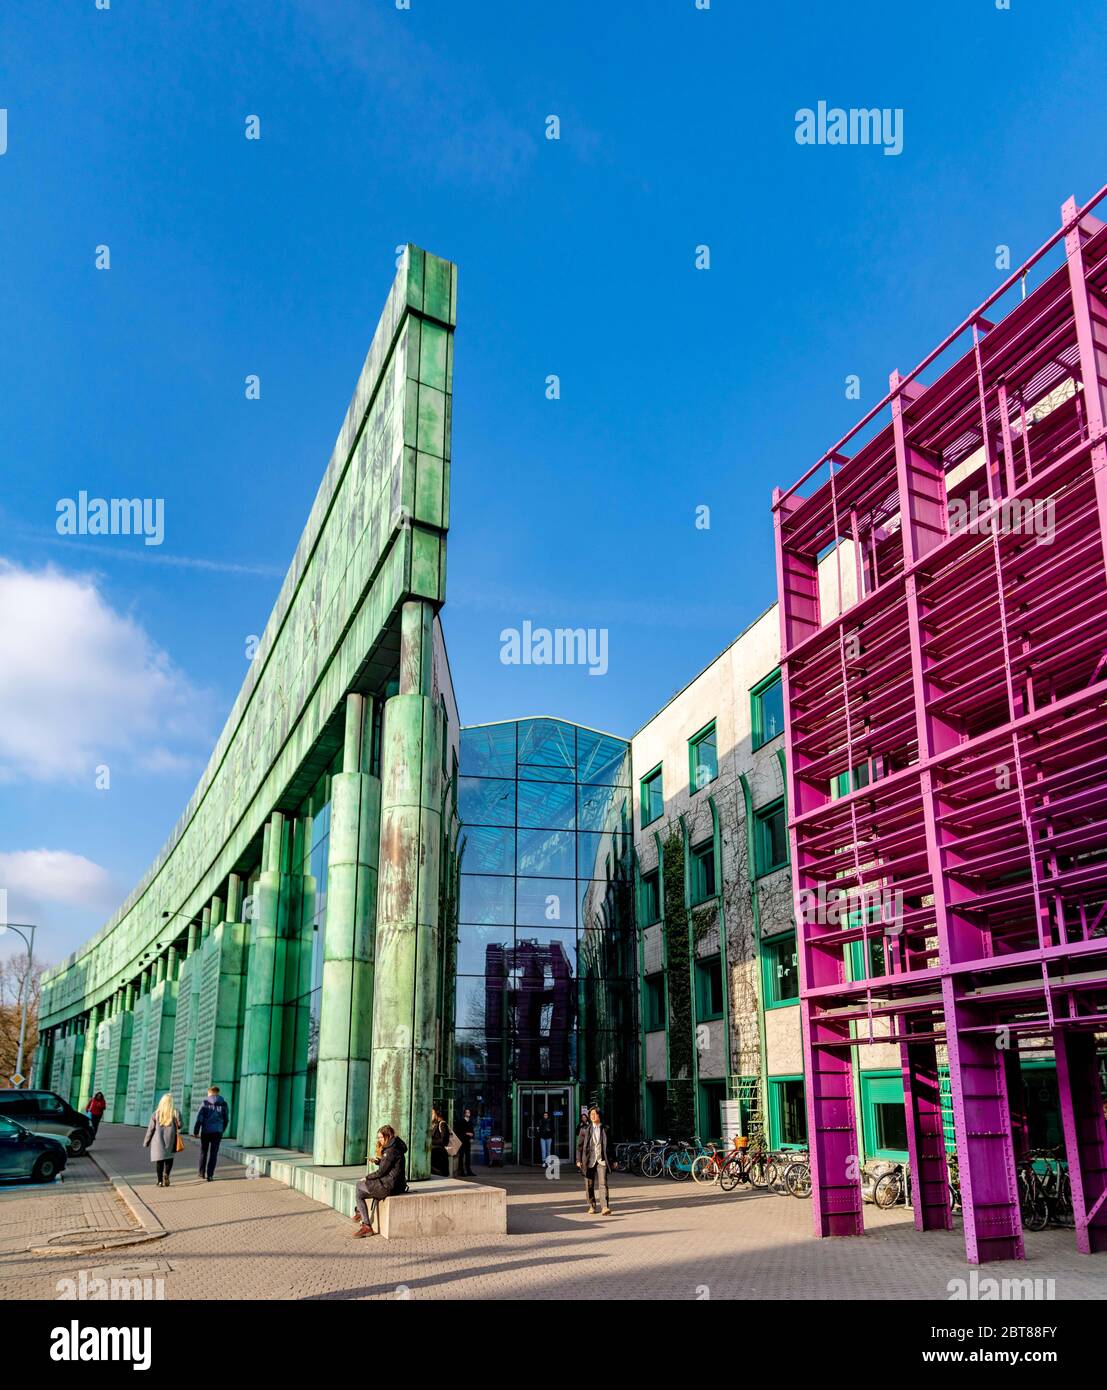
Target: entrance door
[534, 1103]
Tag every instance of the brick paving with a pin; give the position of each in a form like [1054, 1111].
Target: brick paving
[254, 1238]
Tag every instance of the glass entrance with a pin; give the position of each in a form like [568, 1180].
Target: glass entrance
[545, 1109]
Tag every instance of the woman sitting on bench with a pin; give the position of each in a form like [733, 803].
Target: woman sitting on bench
[388, 1181]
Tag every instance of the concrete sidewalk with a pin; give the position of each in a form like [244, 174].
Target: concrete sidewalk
[243, 1237]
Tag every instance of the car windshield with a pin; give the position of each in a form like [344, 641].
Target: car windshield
[10, 1127]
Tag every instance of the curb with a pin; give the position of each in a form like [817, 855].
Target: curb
[146, 1218]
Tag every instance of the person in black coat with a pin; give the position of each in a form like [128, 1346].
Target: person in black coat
[465, 1129]
[390, 1179]
[440, 1137]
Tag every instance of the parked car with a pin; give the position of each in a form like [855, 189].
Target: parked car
[43, 1112]
[27, 1155]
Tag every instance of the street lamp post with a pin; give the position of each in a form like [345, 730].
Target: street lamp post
[25, 988]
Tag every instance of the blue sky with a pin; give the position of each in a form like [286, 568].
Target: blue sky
[680, 387]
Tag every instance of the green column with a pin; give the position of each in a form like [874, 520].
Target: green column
[227, 1027]
[261, 1042]
[88, 1060]
[402, 1073]
[346, 1017]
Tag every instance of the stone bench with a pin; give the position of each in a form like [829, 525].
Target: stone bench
[444, 1207]
[434, 1207]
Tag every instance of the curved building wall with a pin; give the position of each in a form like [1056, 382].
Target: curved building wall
[349, 681]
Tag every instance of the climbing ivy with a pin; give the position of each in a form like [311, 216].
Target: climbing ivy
[680, 1098]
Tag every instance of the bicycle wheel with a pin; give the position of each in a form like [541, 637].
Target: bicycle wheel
[705, 1169]
[775, 1176]
[887, 1190]
[1035, 1212]
[679, 1166]
[761, 1171]
[652, 1164]
[797, 1179]
[730, 1175]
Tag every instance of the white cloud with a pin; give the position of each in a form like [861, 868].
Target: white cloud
[36, 876]
[83, 685]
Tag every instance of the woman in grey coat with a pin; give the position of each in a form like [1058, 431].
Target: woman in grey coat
[161, 1137]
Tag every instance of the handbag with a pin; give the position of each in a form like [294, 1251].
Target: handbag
[453, 1145]
[180, 1143]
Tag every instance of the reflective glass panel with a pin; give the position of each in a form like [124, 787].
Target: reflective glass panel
[547, 805]
[488, 751]
[545, 902]
[485, 801]
[487, 899]
[548, 852]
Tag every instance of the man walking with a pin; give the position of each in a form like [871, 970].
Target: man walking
[211, 1121]
[593, 1146]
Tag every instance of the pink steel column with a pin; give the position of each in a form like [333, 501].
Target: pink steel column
[827, 1048]
[1077, 1071]
[924, 524]
[1085, 1135]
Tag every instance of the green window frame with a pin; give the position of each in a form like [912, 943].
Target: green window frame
[787, 1112]
[652, 796]
[767, 709]
[653, 1003]
[709, 989]
[780, 970]
[703, 759]
[650, 897]
[703, 878]
[883, 1115]
[771, 837]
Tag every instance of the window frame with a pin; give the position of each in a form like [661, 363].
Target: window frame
[768, 975]
[761, 815]
[757, 731]
[654, 981]
[694, 742]
[776, 1111]
[646, 780]
[652, 875]
[704, 1012]
[869, 1101]
[696, 856]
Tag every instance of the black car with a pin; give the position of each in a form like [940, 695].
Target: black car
[27, 1155]
[43, 1112]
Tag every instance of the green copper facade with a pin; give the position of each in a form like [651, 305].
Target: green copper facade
[289, 942]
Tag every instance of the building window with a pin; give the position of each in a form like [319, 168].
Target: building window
[883, 1115]
[702, 872]
[709, 989]
[651, 898]
[703, 759]
[653, 798]
[653, 1002]
[787, 1113]
[780, 969]
[767, 709]
[840, 785]
[771, 837]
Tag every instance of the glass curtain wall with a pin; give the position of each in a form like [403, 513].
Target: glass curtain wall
[303, 965]
[545, 967]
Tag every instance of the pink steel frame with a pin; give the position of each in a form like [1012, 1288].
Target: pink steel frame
[968, 677]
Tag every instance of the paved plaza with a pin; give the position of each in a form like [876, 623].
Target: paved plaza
[254, 1238]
